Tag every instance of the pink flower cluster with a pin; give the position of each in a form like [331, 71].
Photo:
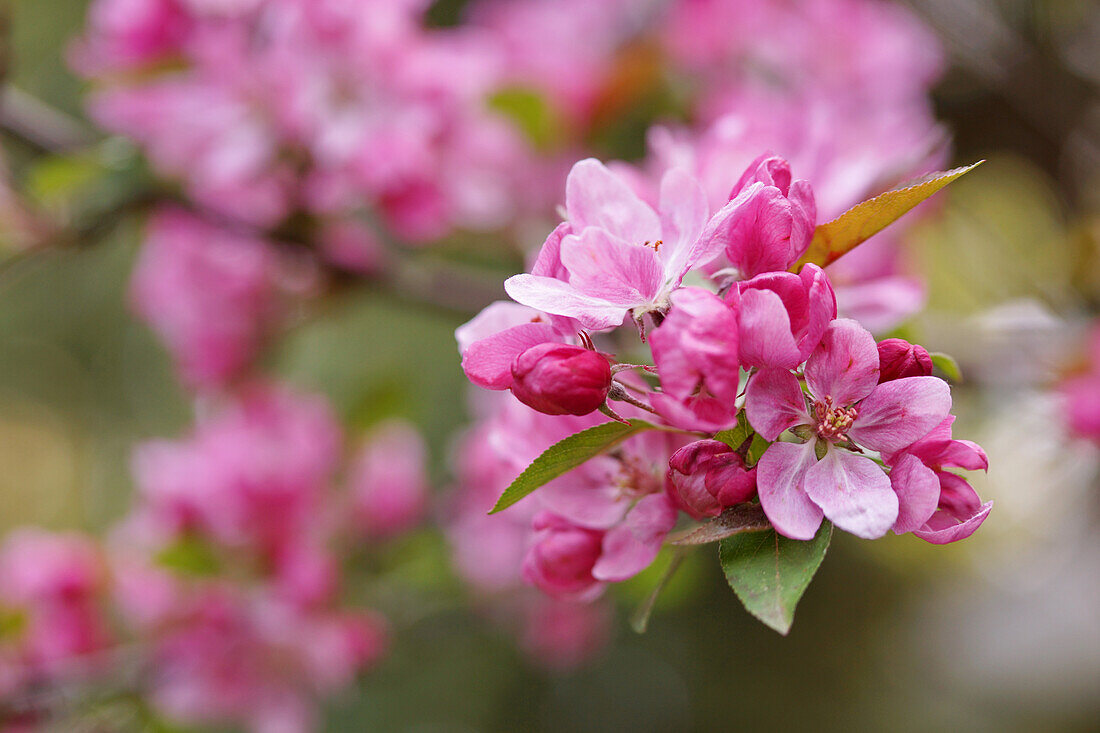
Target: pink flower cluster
[1081, 392]
[227, 578]
[856, 432]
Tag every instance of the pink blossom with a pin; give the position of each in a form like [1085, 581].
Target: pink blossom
[1081, 393]
[697, 346]
[939, 506]
[783, 316]
[51, 587]
[768, 222]
[388, 481]
[620, 255]
[562, 635]
[208, 292]
[850, 409]
[706, 476]
[561, 560]
[123, 34]
[559, 379]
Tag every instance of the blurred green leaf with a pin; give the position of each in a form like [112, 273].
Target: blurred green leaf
[639, 620]
[756, 449]
[770, 572]
[861, 222]
[947, 364]
[567, 454]
[189, 556]
[529, 110]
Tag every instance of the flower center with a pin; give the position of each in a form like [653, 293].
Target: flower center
[832, 423]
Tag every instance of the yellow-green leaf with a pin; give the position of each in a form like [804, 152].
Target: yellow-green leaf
[861, 222]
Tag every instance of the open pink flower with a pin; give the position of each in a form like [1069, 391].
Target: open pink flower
[618, 255]
[936, 505]
[848, 410]
[783, 316]
[768, 222]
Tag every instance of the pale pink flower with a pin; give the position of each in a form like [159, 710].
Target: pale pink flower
[388, 481]
[619, 256]
[211, 294]
[850, 411]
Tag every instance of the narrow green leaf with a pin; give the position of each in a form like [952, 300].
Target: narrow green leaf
[770, 572]
[567, 454]
[639, 620]
[859, 223]
[947, 364]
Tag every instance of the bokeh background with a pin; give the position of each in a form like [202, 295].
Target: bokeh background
[998, 633]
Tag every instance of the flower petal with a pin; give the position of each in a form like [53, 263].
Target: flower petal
[697, 344]
[493, 319]
[844, 365]
[596, 197]
[606, 267]
[554, 296]
[683, 215]
[631, 546]
[488, 362]
[901, 412]
[774, 402]
[766, 339]
[779, 481]
[705, 414]
[918, 491]
[943, 528]
[854, 492]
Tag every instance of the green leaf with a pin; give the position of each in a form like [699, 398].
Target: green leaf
[756, 449]
[528, 109]
[770, 572]
[734, 520]
[947, 364]
[189, 556]
[859, 223]
[734, 437]
[566, 455]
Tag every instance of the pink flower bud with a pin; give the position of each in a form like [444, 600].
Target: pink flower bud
[898, 359]
[560, 379]
[561, 560]
[705, 477]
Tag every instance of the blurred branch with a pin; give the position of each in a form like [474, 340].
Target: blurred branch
[40, 125]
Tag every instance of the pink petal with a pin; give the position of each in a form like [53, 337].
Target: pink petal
[596, 197]
[803, 217]
[493, 319]
[683, 215]
[918, 491]
[900, 412]
[774, 402]
[548, 262]
[844, 365]
[779, 480]
[586, 495]
[854, 492]
[766, 339]
[705, 414]
[942, 528]
[488, 362]
[697, 344]
[957, 496]
[820, 307]
[560, 298]
[606, 267]
[631, 546]
[754, 230]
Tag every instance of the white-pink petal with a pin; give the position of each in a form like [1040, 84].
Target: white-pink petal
[779, 481]
[603, 266]
[901, 412]
[683, 211]
[560, 298]
[918, 491]
[844, 366]
[596, 197]
[854, 492]
[774, 402]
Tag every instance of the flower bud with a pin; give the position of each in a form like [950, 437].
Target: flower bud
[561, 379]
[898, 359]
[705, 477]
[561, 560]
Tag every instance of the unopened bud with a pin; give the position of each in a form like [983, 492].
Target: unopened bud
[561, 379]
[707, 476]
[898, 359]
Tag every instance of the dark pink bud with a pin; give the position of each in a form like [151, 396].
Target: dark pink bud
[706, 476]
[560, 379]
[561, 560]
[897, 358]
